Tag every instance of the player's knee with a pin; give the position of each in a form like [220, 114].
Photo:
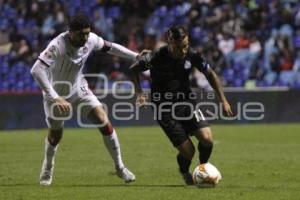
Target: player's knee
[206, 137]
[207, 140]
[98, 116]
[107, 129]
[54, 125]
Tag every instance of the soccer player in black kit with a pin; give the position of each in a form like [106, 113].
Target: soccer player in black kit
[170, 68]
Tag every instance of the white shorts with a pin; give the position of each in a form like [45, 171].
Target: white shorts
[82, 105]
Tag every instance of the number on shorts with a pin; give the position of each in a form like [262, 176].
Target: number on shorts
[199, 116]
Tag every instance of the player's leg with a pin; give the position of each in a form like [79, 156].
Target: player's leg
[205, 145]
[99, 117]
[199, 127]
[186, 151]
[177, 135]
[89, 106]
[51, 144]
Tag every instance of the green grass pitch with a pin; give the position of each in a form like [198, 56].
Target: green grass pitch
[260, 162]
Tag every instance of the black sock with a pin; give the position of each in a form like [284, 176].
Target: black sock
[204, 152]
[184, 163]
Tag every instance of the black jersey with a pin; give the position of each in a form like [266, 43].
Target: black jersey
[170, 75]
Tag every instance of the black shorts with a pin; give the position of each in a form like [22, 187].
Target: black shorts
[180, 123]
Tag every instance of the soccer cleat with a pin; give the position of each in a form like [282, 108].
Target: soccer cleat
[46, 173]
[126, 175]
[188, 178]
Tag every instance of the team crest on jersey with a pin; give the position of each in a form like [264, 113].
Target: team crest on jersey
[52, 49]
[187, 64]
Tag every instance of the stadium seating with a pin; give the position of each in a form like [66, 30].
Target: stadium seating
[275, 35]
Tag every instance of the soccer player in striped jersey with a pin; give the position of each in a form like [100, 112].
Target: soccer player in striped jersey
[58, 72]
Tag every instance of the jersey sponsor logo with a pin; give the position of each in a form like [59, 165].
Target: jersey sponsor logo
[187, 64]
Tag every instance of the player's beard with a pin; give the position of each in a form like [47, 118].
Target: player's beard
[76, 42]
[178, 54]
[79, 43]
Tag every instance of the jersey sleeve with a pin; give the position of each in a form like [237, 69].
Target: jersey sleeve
[200, 62]
[148, 61]
[97, 41]
[50, 54]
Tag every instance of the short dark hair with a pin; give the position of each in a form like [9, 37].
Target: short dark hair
[79, 22]
[177, 33]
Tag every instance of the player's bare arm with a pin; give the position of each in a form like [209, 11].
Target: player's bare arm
[62, 105]
[134, 71]
[215, 84]
[143, 53]
[121, 51]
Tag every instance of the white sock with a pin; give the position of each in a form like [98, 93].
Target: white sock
[49, 151]
[113, 146]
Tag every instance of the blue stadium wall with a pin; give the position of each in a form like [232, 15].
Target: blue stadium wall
[26, 111]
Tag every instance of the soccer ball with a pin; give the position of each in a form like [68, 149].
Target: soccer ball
[206, 175]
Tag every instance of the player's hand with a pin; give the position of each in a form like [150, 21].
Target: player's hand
[227, 109]
[62, 105]
[142, 53]
[141, 99]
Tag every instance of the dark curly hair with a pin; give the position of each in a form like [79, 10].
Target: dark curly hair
[79, 22]
[177, 33]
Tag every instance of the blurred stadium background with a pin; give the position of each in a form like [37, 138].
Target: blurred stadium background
[254, 46]
[251, 43]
